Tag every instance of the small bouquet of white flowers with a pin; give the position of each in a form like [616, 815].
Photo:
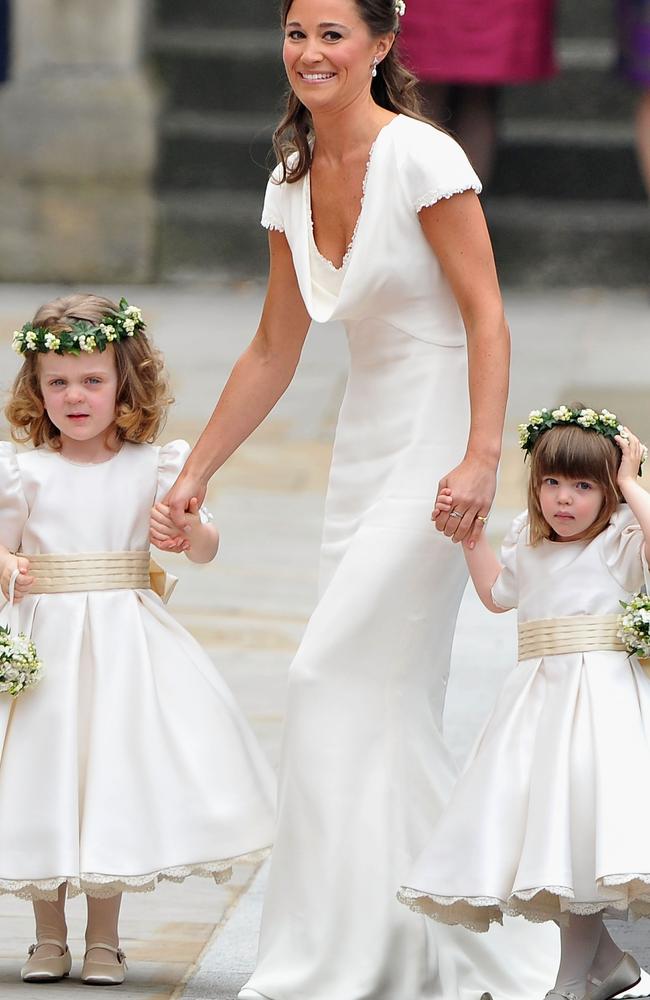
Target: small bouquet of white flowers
[20, 666]
[635, 625]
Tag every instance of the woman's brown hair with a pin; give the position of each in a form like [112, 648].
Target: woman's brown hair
[143, 393]
[578, 453]
[394, 88]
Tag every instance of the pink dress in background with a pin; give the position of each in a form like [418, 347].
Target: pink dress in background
[486, 42]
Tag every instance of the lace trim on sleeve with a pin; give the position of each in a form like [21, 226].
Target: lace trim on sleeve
[268, 223]
[426, 200]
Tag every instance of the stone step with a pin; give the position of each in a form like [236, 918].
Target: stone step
[552, 243]
[588, 161]
[217, 14]
[211, 233]
[585, 160]
[577, 18]
[229, 70]
[547, 243]
[587, 87]
[241, 70]
[218, 151]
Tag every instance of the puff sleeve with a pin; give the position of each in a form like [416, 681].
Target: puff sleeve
[433, 166]
[624, 551]
[13, 505]
[272, 215]
[505, 590]
[171, 459]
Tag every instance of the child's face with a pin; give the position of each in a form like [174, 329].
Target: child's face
[79, 393]
[570, 506]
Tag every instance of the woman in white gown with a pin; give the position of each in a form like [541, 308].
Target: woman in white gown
[364, 771]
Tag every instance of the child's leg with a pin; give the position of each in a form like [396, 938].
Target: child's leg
[579, 940]
[50, 924]
[608, 954]
[102, 927]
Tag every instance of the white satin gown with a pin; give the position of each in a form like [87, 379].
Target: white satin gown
[365, 772]
[130, 761]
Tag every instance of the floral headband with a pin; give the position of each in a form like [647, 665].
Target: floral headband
[82, 335]
[400, 8]
[539, 421]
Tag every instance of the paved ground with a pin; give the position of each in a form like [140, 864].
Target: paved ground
[249, 608]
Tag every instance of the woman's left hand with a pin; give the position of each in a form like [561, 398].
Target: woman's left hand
[472, 484]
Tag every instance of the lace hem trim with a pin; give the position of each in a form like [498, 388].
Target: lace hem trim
[537, 905]
[430, 199]
[268, 223]
[103, 886]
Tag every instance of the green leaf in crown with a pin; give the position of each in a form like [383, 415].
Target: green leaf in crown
[539, 421]
[82, 335]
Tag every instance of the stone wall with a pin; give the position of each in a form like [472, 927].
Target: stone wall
[77, 144]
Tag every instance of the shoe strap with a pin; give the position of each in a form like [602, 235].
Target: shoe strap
[119, 954]
[58, 944]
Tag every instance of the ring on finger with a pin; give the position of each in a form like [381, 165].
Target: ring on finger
[455, 513]
[483, 518]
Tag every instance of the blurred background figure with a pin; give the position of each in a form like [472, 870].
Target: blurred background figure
[465, 51]
[634, 65]
[4, 40]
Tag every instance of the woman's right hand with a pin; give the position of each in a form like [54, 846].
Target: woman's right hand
[187, 487]
[23, 582]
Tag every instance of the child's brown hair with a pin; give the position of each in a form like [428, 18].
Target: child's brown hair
[577, 453]
[143, 393]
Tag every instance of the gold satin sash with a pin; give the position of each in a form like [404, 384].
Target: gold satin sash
[577, 634]
[76, 572]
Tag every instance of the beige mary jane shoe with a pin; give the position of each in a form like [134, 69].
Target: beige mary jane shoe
[38, 969]
[104, 973]
[623, 976]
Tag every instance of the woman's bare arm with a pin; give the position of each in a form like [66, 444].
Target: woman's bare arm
[457, 233]
[257, 381]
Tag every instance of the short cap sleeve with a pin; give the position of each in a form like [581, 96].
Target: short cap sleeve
[171, 459]
[505, 590]
[272, 217]
[624, 550]
[433, 166]
[13, 505]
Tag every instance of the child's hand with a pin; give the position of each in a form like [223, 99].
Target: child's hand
[164, 534]
[24, 580]
[444, 503]
[633, 455]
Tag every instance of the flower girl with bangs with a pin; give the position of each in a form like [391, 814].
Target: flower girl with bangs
[549, 819]
[129, 762]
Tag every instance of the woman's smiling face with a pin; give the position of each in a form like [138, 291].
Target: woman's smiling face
[329, 52]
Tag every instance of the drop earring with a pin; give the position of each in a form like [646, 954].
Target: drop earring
[375, 64]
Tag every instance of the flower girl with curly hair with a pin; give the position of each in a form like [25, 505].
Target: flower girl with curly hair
[550, 817]
[129, 762]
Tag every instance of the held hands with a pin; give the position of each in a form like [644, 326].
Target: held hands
[165, 534]
[186, 489]
[23, 582]
[464, 499]
[199, 541]
[634, 454]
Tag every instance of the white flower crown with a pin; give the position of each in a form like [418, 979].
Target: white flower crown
[82, 335]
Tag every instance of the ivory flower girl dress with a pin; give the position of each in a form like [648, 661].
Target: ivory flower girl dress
[130, 761]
